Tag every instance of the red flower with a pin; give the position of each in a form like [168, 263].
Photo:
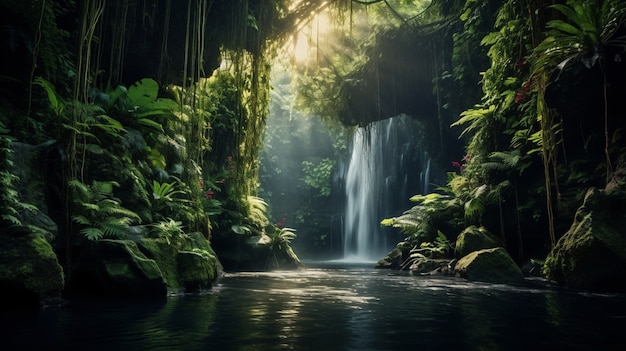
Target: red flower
[201, 182]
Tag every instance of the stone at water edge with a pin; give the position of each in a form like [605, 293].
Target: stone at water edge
[116, 268]
[474, 238]
[30, 273]
[489, 265]
[591, 255]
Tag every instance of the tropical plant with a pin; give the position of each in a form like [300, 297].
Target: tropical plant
[279, 239]
[169, 229]
[97, 212]
[420, 223]
[164, 194]
[584, 36]
[10, 204]
[319, 176]
[440, 247]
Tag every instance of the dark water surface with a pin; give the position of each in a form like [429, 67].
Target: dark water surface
[332, 308]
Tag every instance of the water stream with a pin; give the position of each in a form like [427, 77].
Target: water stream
[332, 307]
[387, 166]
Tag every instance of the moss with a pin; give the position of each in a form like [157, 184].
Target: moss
[27, 260]
[474, 238]
[165, 257]
[592, 254]
[490, 265]
[195, 265]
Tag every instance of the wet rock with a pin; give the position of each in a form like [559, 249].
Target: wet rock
[591, 255]
[394, 258]
[489, 265]
[116, 268]
[474, 238]
[428, 266]
[30, 274]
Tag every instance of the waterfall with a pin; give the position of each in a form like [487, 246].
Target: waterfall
[386, 168]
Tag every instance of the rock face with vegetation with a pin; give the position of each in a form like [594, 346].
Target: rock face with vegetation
[592, 253]
[30, 273]
[489, 265]
[116, 268]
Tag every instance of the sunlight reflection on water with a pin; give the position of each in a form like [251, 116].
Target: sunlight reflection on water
[334, 308]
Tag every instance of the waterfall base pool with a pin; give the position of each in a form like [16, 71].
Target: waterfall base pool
[332, 307]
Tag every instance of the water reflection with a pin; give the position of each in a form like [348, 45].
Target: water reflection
[332, 309]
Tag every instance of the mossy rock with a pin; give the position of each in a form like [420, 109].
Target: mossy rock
[474, 238]
[489, 265]
[591, 255]
[196, 269]
[190, 264]
[164, 255]
[430, 266]
[116, 268]
[395, 257]
[30, 273]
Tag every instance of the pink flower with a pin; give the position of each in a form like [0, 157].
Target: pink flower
[201, 182]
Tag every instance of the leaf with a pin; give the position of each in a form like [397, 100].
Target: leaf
[92, 233]
[240, 229]
[143, 92]
[564, 27]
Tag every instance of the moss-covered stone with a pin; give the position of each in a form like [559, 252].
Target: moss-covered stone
[196, 269]
[489, 265]
[116, 268]
[395, 257]
[474, 238]
[164, 255]
[30, 273]
[592, 253]
[193, 266]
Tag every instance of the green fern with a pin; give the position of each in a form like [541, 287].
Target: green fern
[97, 212]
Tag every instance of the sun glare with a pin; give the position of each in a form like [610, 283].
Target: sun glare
[304, 43]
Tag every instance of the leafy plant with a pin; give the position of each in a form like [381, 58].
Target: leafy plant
[163, 194]
[584, 36]
[418, 223]
[169, 229]
[279, 239]
[318, 176]
[10, 204]
[97, 212]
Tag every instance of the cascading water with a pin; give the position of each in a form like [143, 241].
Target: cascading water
[386, 168]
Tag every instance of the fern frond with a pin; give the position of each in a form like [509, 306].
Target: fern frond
[92, 233]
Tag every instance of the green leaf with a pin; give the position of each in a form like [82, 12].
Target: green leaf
[240, 229]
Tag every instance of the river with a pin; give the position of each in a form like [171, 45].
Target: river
[332, 307]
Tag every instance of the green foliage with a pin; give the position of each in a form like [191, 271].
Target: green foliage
[169, 229]
[164, 194]
[10, 204]
[280, 238]
[257, 211]
[588, 26]
[318, 176]
[97, 212]
[421, 222]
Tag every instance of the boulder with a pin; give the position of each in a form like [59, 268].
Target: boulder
[489, 265]
[116, 268]
[431, 266]
[30, 274]
[196, 269]
[395, 257]
[191, 267]
[591, 255]
[474, 238]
